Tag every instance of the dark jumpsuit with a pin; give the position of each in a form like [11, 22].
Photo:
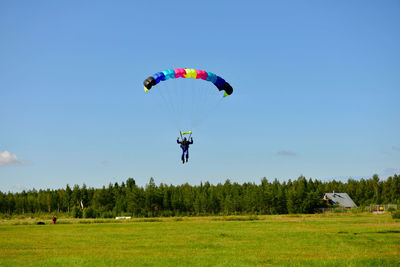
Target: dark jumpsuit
[185, 148]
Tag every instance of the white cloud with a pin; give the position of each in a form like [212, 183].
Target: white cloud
[20, 187]
[7, 159]
[286, 153]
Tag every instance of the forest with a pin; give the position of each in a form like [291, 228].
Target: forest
[128, 199]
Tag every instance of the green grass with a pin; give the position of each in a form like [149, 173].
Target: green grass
[316, 240]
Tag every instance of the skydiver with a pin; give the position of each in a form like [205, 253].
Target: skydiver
[185, 148]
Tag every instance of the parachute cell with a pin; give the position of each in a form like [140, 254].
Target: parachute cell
[219, 82]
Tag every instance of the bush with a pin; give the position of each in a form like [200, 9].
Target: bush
[107, 214]
[391, 209]
[77, 212]
[89, 213]
[396, 214]
[5, 216]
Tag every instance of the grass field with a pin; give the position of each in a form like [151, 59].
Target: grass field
[318, 240]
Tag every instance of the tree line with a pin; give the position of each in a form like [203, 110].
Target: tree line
[128, 199]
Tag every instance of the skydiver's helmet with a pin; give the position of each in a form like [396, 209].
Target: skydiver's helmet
[184, 139]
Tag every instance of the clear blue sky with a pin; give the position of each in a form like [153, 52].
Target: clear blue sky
[317, 90]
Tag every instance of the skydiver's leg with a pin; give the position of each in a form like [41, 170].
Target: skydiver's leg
[183, 154]
[187, 155]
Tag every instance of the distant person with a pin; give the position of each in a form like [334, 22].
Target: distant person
[54, 219]
[185, 148]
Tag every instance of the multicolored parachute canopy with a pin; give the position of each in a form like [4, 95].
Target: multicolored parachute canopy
[220, 83]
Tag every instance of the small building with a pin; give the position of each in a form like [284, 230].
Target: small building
[341, 199]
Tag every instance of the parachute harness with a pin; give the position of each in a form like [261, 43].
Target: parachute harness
[183, 133]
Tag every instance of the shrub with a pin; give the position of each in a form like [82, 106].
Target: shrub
[396, 214]
[5, 216]
[89, 213]
[391, 209]
[77, 212]
[107, 214]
